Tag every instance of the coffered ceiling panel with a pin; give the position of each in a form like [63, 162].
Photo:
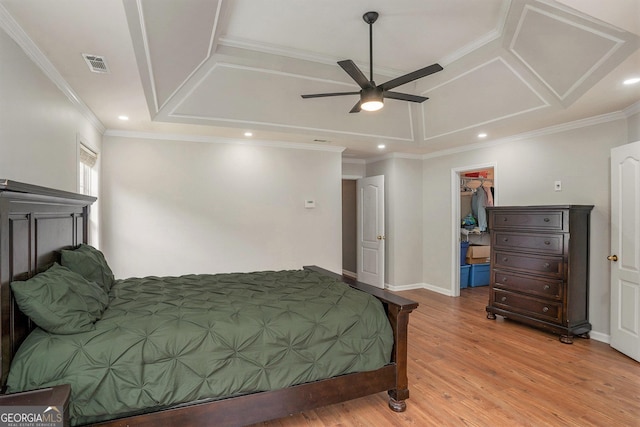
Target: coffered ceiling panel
[178, 40]
[468, 100]
[561, 52]
[244, 95]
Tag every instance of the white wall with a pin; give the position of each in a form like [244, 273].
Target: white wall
[633, 127]
[525, 174]
[177, 207]
[39, 126]
[353, 169]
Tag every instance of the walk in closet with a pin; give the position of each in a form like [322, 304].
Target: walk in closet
[476, 194]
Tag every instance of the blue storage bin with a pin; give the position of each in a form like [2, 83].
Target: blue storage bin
[463, 252]
[479, 275]
[464, 275]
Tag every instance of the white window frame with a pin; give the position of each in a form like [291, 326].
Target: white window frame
[88, 161]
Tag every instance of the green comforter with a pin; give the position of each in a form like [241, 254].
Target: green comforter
[169, 340]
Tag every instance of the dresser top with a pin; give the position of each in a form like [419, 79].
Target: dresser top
[542, 207]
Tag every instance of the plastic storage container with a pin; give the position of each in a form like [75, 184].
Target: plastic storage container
[463, 252]
[464, 276]
[479, 275]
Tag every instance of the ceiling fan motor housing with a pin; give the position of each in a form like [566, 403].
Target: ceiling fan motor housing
[370, 17]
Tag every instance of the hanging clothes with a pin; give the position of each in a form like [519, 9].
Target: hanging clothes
[489, 193]
[478, 204]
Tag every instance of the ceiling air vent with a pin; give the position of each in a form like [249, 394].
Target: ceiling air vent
[96, 63]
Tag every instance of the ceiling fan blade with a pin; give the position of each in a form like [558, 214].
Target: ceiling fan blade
[356, 108]
[423, 72]
[404, 96]
[352, 69]
[321, 95]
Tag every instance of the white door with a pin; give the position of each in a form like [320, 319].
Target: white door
[625, 249]
[370, 207]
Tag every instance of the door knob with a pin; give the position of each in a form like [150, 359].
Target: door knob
[380, 237]
[613, 258]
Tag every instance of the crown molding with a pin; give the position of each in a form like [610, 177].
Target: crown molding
[631, 110]
[221, 140]
[390, 156]
[13, 29]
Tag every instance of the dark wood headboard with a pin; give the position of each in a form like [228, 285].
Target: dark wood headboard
[35, 224]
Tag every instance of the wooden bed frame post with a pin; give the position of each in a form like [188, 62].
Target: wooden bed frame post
[399, 319]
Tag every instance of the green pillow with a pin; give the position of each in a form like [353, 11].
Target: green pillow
[61, 301]
[90, 263]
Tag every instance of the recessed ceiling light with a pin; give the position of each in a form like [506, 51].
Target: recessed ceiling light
[482, 135]
[248, 133]
[124, 118]
[381, 146]
[631, 81]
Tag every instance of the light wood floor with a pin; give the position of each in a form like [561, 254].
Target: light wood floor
[466, 370]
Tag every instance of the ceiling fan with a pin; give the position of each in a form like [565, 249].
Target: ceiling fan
[372, 96]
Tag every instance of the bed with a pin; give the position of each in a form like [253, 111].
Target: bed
[38, 224]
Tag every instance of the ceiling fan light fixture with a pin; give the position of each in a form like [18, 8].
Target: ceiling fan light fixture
[371, 99]
[372, 105]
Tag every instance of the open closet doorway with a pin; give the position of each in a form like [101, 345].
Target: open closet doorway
[349, 228]
[473, 188]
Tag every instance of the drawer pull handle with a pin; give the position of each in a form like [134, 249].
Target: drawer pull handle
[505, 219]
[547, 220]
[547, 287]
[505, 259]
[544, 310]
[546, 265]
[504, 280]
[503, 299]
[546, 242]
[506, 239]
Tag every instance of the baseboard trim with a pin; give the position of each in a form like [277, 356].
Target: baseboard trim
[438, 289]
[599, 336]
[433, 288]
[401, 288]
[350, 274]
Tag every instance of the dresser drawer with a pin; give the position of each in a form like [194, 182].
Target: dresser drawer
[544, 243]
[550, 266]
[535, 286]
[528, 306]
[522, 220]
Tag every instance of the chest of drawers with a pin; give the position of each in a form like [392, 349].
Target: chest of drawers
[540, 267]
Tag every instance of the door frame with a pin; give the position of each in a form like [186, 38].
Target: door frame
[454, 289]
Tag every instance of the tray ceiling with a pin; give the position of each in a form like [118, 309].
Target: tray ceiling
[217, 68]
